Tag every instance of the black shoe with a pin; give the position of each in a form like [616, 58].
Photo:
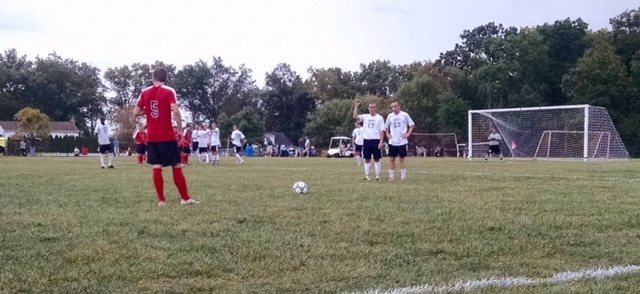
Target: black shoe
[111, 166]
[102, 167]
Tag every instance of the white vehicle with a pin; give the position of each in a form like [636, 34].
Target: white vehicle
[340, 147]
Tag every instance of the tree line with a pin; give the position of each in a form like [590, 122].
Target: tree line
[493, 66]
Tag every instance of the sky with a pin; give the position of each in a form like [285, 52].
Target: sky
[263, 33]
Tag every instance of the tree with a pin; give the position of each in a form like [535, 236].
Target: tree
[211, 90]
[333, 83]
[14, 80]
[248, 122]
[474, 51]
[380, 78]
[566, 41]
[286, 102]
[420, 98]
[32, 121]
[599, 77]
[626, 34]
[332, 118]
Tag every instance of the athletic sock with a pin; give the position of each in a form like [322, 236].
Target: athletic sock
[181, 183]
[158, 182]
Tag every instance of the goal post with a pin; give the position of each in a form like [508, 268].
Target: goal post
[551, 132]
[433, 145]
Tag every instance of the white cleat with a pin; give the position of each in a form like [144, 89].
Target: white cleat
[189, 202]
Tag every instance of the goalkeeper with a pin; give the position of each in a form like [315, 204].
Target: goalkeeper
[494, 144]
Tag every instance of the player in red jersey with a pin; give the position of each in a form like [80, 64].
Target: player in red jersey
[186, 144]
[140, 137]
[157, 103]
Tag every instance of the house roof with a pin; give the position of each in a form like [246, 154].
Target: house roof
[54, 126]
[280, 139]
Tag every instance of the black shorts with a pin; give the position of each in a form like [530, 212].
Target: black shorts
[1, 150]
[370, 148]
[398, 151]
[141, 149]
[194, 146]
[358, 148]
[186, 150]
[106, 148]
[163, 153]
[214, 148]
[495, 149]
[203, 149]
[238, 149]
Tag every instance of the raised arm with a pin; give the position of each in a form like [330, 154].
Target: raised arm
[355, 109]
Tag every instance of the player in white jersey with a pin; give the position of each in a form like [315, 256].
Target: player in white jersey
[195, 136]
[373, 135]
[358, 141]
[214, 144]
[102, 130]
[237, 138]
[494, 144]
[203, 143]
[399, 127]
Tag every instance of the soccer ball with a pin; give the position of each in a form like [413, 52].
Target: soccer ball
[300, 188]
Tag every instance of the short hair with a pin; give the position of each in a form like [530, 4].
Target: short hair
[160, 74]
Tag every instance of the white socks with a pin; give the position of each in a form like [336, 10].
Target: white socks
[101, 159]
[110, 159]
[378, 168]
[358, 160]
[367, 168]
[403, 174]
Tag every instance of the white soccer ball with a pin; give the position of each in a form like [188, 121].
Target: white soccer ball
[300, 188]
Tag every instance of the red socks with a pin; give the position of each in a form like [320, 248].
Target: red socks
[158, 182]
[181, 183]
[140, 159]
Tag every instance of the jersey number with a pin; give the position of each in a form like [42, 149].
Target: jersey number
[371, 124]
[154, 109]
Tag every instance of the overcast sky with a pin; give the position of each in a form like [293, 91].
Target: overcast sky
[263, 33]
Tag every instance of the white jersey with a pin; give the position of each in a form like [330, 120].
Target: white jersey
[494, 139]
[215, 137]
[398, 125]
[357, 134]
[103, 134]
[195, 135]
[236, 138]
[204, 138]
[372, 126]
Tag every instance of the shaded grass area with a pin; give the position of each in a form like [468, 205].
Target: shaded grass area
[68, 226]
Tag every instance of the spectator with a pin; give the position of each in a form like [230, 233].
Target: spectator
[23, 148]
[32, 138]
[76, 151]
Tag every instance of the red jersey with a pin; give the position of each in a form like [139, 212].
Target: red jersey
[156, 102]
[140, 137]
[186, 139]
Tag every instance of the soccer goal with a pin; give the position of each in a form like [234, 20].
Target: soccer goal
[433, 144]
[553, 132]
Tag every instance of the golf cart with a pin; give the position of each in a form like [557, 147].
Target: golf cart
[340, 147]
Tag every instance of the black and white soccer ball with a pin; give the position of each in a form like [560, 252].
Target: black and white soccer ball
[300, 188]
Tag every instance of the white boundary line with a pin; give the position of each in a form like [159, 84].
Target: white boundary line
[460, 286]
[529, 176]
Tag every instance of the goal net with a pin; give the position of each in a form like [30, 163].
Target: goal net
[554, 132]
[433, 145]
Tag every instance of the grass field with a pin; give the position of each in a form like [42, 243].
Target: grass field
[69, 227]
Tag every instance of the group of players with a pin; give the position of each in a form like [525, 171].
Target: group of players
[203, 142]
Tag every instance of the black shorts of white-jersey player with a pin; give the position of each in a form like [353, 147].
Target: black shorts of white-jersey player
[494, 145]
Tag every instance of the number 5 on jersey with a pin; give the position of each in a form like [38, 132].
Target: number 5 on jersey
[154, 109]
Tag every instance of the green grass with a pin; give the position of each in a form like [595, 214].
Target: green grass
[66, 226]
